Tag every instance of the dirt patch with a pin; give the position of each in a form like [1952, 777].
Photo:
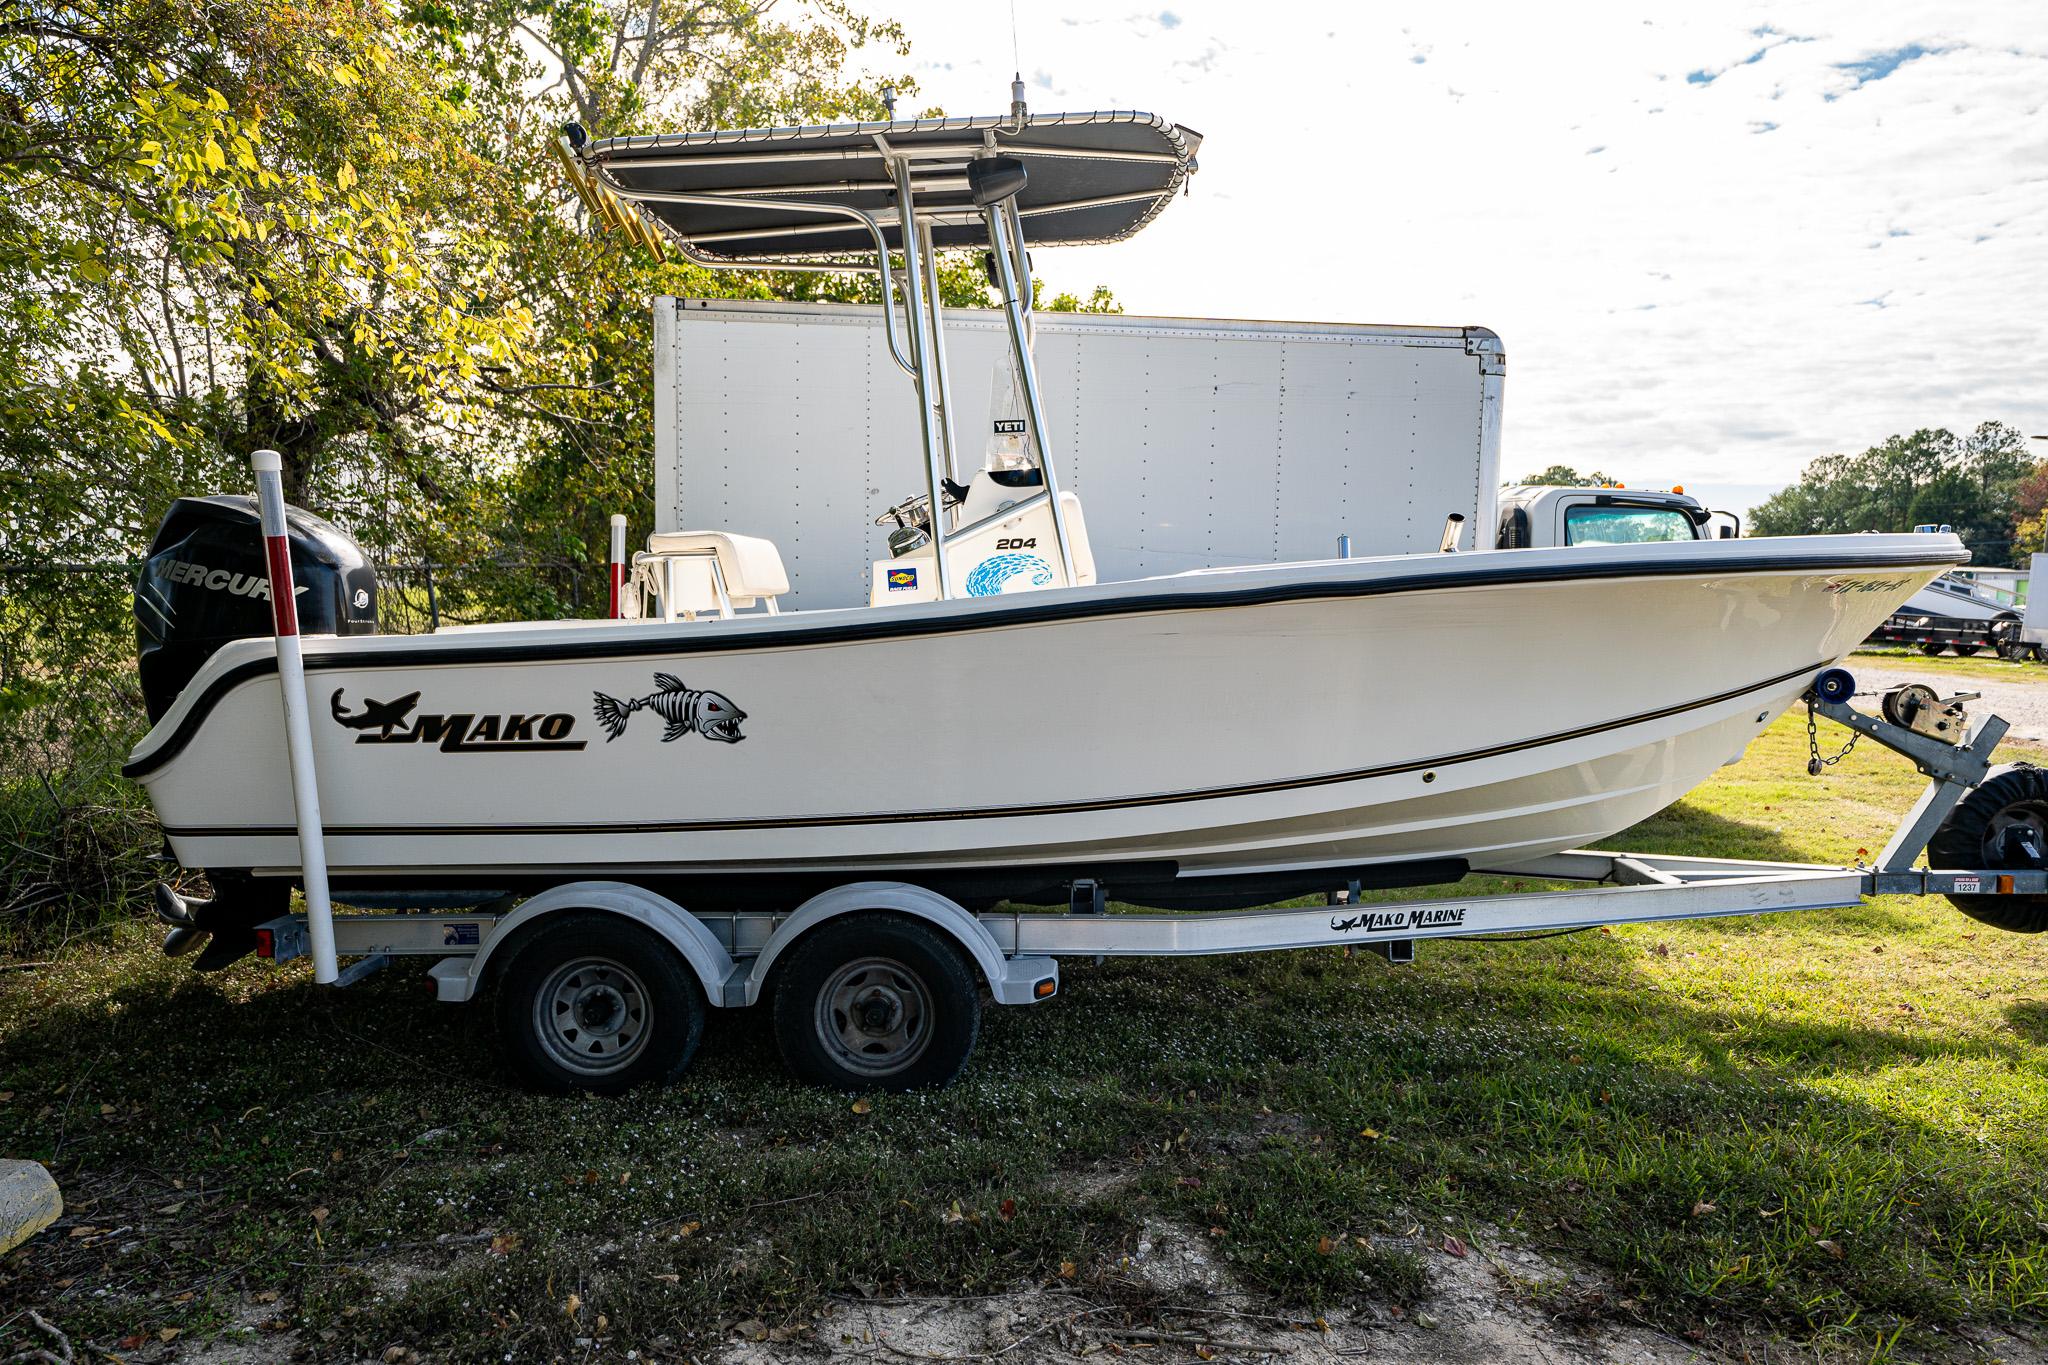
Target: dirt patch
[1170, 1296]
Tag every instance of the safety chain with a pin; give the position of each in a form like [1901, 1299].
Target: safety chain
[1815, 763]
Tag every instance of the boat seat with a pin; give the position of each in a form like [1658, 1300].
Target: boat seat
[709, 573]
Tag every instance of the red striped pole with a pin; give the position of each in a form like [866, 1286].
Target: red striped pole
[298, 732]
[618, 608]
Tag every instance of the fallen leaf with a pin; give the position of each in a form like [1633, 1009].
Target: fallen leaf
[1454, 1245]
[504, 1244]
[1324, 1246]
[1215, 1232]
[1368, 1132]
[688, 1228]
[1008, 1209]
[1068, 1270]
[1831, 1247]
[129, 1343]
[265, 1296]
[669, 1279]
[169, 1209]
[82, 1231]
[106, 1109]
[1702, 1209]
[572, 1305]
[862, 1106]
[320, 1216]
[167, 1334]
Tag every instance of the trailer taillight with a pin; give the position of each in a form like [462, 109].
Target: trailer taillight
[266, 944]
[1044, 989]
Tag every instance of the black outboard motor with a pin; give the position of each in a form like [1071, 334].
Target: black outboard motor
[206, 583]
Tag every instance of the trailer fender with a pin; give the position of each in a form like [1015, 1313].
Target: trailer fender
[457, 979]
[1013, 981]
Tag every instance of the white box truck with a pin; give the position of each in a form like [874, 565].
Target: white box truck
[1193, 443]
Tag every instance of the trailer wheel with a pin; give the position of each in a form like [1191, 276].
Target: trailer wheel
[594, 1002]
[876, 1002]
[2001, 824]
[1932, 651]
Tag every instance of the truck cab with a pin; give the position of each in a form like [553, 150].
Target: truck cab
[1535, 515]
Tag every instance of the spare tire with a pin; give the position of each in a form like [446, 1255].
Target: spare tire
[2003, 823]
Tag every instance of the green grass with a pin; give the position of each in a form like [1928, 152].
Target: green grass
[1831, 1126]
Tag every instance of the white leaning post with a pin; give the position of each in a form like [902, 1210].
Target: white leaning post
[298, 732]
[618, 570]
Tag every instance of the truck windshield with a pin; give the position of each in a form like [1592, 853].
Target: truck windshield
[1624, 525]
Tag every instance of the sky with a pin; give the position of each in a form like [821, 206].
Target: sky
[1718, 240]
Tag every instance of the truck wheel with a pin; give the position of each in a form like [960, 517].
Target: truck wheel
[1932, 651]
[876, 1002]
[2001, 824]
[1971, 651]
[594, 1002]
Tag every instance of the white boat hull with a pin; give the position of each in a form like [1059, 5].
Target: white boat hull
[1196, 739]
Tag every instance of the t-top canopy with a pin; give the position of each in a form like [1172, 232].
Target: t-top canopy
[1093, 178]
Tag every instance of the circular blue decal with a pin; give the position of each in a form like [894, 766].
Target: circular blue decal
[1008, 573]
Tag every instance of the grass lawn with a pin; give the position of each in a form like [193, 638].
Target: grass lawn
[1830, 1126]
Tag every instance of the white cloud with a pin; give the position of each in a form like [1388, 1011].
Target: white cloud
[1718, 241]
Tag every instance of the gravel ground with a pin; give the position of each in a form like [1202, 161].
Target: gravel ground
[2023, 704]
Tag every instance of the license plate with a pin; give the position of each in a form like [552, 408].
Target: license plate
[1967, 886]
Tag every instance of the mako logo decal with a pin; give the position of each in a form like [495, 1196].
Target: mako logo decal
[220, 580]
[1385, 921]
[1864, 584]
[466, 732]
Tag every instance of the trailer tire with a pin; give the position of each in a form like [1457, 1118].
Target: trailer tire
[876, 1002]
[593, 1002]
[1932, 651]
[1973, 836]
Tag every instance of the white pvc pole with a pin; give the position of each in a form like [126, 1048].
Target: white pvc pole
[298, 732]
[618, 568]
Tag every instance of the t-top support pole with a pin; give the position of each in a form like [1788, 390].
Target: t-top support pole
[1020, 346]
[938, 350]
[920, 322]
[298, 733]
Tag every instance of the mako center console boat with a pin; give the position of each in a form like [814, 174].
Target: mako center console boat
[996, 724]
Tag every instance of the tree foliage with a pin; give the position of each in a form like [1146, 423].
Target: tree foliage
[1564, 476]
[1984, 484]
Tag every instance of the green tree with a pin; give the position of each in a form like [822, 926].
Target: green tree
[1973, 483]
[1564, 476]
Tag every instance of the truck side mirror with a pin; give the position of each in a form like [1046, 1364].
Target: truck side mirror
[1727, 533]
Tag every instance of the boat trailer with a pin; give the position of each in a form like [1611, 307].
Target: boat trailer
[734, 956]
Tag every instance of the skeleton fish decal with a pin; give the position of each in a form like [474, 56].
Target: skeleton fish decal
[710, 714]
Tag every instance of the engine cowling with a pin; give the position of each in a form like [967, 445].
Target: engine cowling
[205, 583]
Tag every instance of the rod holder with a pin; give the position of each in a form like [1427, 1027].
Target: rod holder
[617, 574]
